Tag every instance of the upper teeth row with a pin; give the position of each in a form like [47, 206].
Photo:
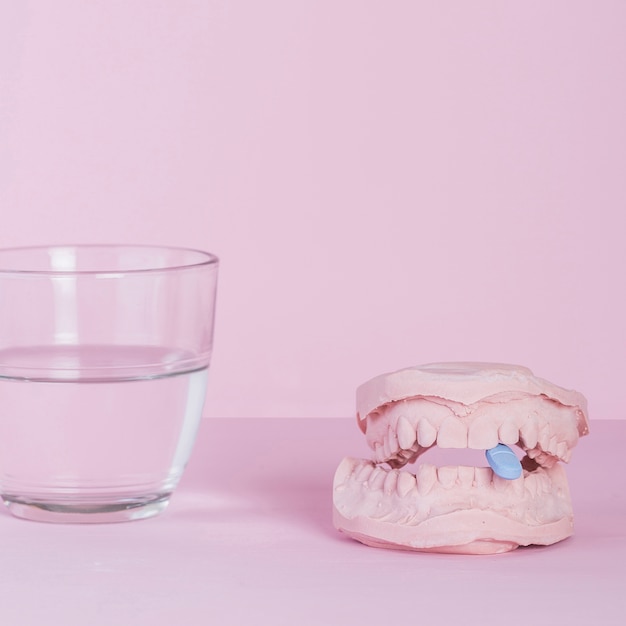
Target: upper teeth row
[392, 432]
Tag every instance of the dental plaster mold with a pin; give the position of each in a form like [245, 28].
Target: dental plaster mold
[460, 509]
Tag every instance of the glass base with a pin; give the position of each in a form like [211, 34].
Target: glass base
[87, 513]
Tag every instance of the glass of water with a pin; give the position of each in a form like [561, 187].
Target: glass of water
[104, 354]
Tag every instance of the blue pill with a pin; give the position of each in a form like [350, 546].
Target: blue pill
[503, 462]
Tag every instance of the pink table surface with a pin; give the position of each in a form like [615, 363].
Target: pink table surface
[248, 539]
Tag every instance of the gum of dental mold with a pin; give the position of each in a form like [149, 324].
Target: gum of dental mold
[503, 462]
[464, 384]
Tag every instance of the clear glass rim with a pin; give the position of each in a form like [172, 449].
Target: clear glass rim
[202, 259]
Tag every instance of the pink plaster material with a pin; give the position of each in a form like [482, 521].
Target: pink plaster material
[460, 509]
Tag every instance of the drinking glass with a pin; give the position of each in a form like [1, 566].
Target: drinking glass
[104, 355]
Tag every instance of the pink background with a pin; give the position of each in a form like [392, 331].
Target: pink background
[386, 183]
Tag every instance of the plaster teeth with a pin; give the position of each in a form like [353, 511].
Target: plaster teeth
[482, 476]
[391, 480]
[426, 433]
[466, 475]
[377, 478]
[561, 450]
[452, 433]
[426, 478]
[397, 462]
[543, 438]
[552, 444]
[482, 435]
[447, 476]
[406, 482]
[509, 433]
[386, 448]
[364, 473]
[406, 433]
[406, 455]
[529, 432]
[545, 459]
[379, 453]
[392, 440]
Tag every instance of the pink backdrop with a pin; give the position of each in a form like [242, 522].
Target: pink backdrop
[386, 183]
